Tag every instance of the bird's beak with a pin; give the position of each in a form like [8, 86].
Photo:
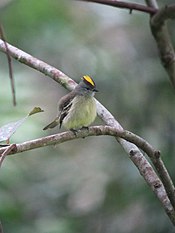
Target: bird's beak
[95, 90]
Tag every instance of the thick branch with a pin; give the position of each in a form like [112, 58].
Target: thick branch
[166, 50]
[156, 160]
[162, 37]
[165, 13]
[127, 5]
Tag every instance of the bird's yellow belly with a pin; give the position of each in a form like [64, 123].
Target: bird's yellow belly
[84, 115]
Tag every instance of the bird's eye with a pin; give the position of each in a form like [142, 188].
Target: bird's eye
[87, 88]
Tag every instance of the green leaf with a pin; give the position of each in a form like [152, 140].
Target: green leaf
[35, 110]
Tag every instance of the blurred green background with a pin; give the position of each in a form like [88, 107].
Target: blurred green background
[86, 185]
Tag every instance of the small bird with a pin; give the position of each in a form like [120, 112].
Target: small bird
[77, 109]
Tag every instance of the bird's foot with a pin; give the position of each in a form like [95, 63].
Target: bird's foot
[74, 131]
[85, 127]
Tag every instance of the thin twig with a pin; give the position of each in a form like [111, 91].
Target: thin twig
[6, 152]
[127, 5]
[9, 64]
[165, 13]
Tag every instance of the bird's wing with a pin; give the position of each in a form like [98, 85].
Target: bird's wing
[65, 104]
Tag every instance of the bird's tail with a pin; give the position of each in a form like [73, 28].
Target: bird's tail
[52, 124]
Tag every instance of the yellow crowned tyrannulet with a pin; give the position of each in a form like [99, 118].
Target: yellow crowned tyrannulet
[77, 109]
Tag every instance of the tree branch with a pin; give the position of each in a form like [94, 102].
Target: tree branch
[6, 152]
[127, 5]
[161, 35]
[131, 149]
[154, 155]
[136, 156]
[38, 65]
[69, 135]
[165, 13]
[9, 65]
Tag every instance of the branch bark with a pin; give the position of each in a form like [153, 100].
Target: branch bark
[126, 5]
[161, 35]
[69, 135]
[154, 155]
[165, 13]
[131, 149]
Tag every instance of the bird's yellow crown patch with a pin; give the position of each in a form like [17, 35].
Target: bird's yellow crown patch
[89, 80]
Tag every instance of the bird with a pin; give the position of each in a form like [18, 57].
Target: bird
[77, 109]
